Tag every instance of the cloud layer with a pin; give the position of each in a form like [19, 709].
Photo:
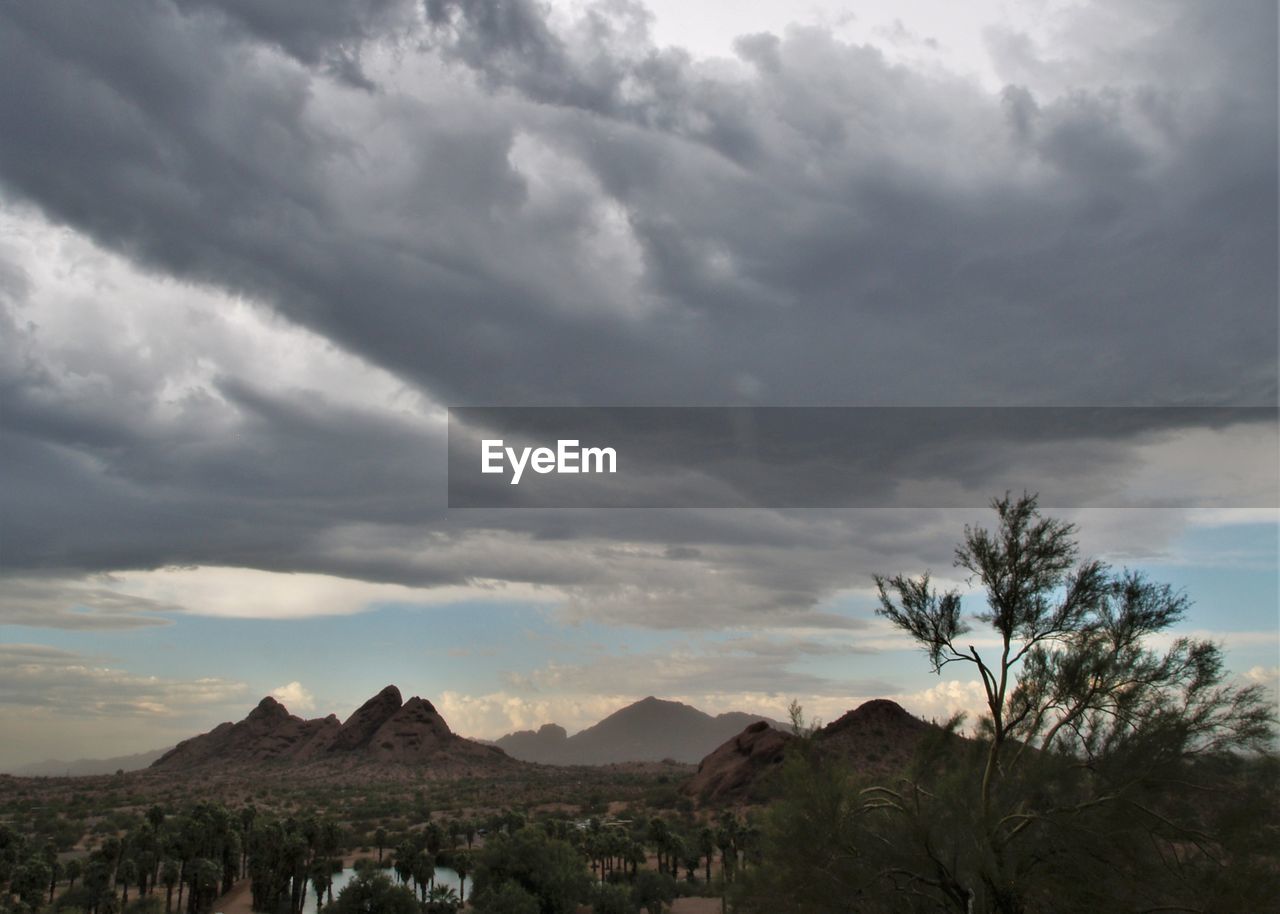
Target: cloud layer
[247, 255]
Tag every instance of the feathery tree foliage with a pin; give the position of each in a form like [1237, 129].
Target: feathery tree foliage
[1107, 773]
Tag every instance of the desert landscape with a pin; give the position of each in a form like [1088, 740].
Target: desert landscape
[392, 783]
[639, 457]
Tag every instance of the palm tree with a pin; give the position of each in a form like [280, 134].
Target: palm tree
[320, 878]
[72, 872]
[443, 899]
[707, 844]
[462, 866]
[247, 815]
[50, 856]
[659, 835]
[125, 874]
[331, 846]
[433, 838]
[170, 874]
[728, 855]
[204, 883]
[404, 860]
[424, 872]
[380, 838]
[635, 855]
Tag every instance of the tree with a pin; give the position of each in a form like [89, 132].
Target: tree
[1106, 774]
[403, 864]
[653, 891]
[55, 868]
[169, 875]
[380, 838]
[126, 872]
[442, 899]
[30, 881]
[508, 898]
[1086, 725]
[373, 893]
[72, 872]
[462, 865]
[707, 847]
[548, 869]
[321, 878]
[613, 899]
[424, 872]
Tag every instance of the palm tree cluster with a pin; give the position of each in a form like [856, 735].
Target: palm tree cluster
[194, 856]
[287, 855]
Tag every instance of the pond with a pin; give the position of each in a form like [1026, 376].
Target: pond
[444, 876]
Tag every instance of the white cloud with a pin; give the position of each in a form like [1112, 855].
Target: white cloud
[295, 697]
[493, 714]
[129, 598]
[79, 685]
[60, 703]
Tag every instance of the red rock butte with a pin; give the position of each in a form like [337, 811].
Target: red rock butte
[382, 730]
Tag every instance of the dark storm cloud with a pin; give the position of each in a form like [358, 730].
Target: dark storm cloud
[327, 35]
[498, 206]
[891, 232]
[826, 457]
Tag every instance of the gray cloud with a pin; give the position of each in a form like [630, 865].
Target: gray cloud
[55, 602]
[740, 665]
[48, 679]
[328, 36]
[490, 205]
[893, 218]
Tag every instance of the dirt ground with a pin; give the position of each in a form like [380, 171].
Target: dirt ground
[693, 906]
[237, 901]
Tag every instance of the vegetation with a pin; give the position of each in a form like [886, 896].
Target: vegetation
[142, 858]
[1105, 775]
[1116, 768]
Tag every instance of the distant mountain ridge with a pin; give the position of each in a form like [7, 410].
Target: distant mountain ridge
[384, 730]
[85, 767]
[649, 730]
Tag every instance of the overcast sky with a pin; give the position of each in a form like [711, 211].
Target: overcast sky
[250, 252]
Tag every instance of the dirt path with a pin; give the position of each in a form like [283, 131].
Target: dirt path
[238, 901]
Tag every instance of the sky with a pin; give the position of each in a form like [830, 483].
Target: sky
[250, 254]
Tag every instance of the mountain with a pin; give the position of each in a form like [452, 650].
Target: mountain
[384, 730]
[542, 745]
[735, 768]
[877, 737]
[88, 766]
[649, 730]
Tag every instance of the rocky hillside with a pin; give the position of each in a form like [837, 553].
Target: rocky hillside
[384, 730]
[735, 768]
[876, 737]
[648, 731]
